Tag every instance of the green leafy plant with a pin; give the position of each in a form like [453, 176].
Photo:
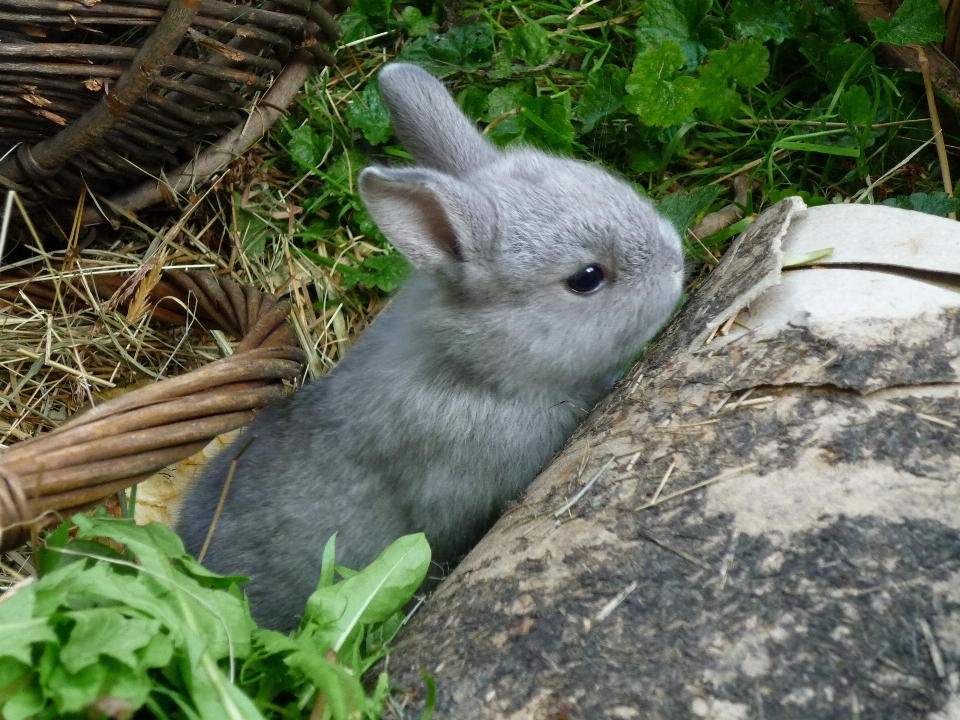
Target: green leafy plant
[934, 203]
[370, 116]
[915, 22]
[110, 632]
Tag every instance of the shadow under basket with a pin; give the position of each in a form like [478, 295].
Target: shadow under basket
[137, 100]
[118, 443]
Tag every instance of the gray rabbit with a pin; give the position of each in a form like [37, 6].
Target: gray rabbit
[536, 278]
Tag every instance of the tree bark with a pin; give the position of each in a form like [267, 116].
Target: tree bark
[761, 521]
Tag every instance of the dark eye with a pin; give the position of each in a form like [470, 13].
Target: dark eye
[586, 280]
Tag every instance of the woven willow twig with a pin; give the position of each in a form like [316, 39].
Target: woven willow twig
[225, 150]
[154, 83]
[114, 445]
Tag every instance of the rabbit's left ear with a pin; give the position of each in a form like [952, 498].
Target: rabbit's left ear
[423, 213]
[430, 124]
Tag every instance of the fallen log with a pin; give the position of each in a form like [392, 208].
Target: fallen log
[761, 521]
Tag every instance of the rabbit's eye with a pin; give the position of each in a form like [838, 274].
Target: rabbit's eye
[586, 280]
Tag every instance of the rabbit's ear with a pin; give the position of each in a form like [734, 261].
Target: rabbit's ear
[423, 213]
[430, 124]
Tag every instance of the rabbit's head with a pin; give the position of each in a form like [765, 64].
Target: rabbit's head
[550, 272]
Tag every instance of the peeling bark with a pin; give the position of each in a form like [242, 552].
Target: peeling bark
[813, 568]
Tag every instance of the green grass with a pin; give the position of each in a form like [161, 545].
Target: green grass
[677, 96]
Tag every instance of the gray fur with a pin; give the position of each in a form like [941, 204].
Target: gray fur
[467, 384]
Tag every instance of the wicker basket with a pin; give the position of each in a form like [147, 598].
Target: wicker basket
[120, 442]
[131, 101]
[115, 95]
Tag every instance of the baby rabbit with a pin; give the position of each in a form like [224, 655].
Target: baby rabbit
[536, 278]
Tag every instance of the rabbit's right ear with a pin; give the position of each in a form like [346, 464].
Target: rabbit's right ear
[423, 213]
[430, 124]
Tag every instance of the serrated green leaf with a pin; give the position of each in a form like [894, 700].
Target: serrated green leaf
[345, 573]
[272, 642]
[343, 171]
[678, 21]
[80, 550]
[157, 652]
[747, 62]
[467, 48]
[673, 19]
[72, 692]
[682, 209]
[363, 219]
[503, 109]
[646, 157]
[335, 613]
[718, 101]
[385, 272]
[11, 672]
[161, 590]
[104, 631]
[529, 42]
[154, 544]
[601, 96]
[383, 634]
[776, 20]
[473, 101]
[213, 695]
[50, 591]
[743, 64]
[656, 94]
[915, 22]
[95, 629]
[129, 685]
[306, 147]
[369, 115]
[24, 704]
[934, 203]
[711, 37]
[355, 26]
[222, 619]
[503, 100]
[546, 124]
[19, 605]
[415, 23]
[19, 636]
[856, 106]
[342, 690]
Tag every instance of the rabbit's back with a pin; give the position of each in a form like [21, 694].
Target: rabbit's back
[376, 449]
